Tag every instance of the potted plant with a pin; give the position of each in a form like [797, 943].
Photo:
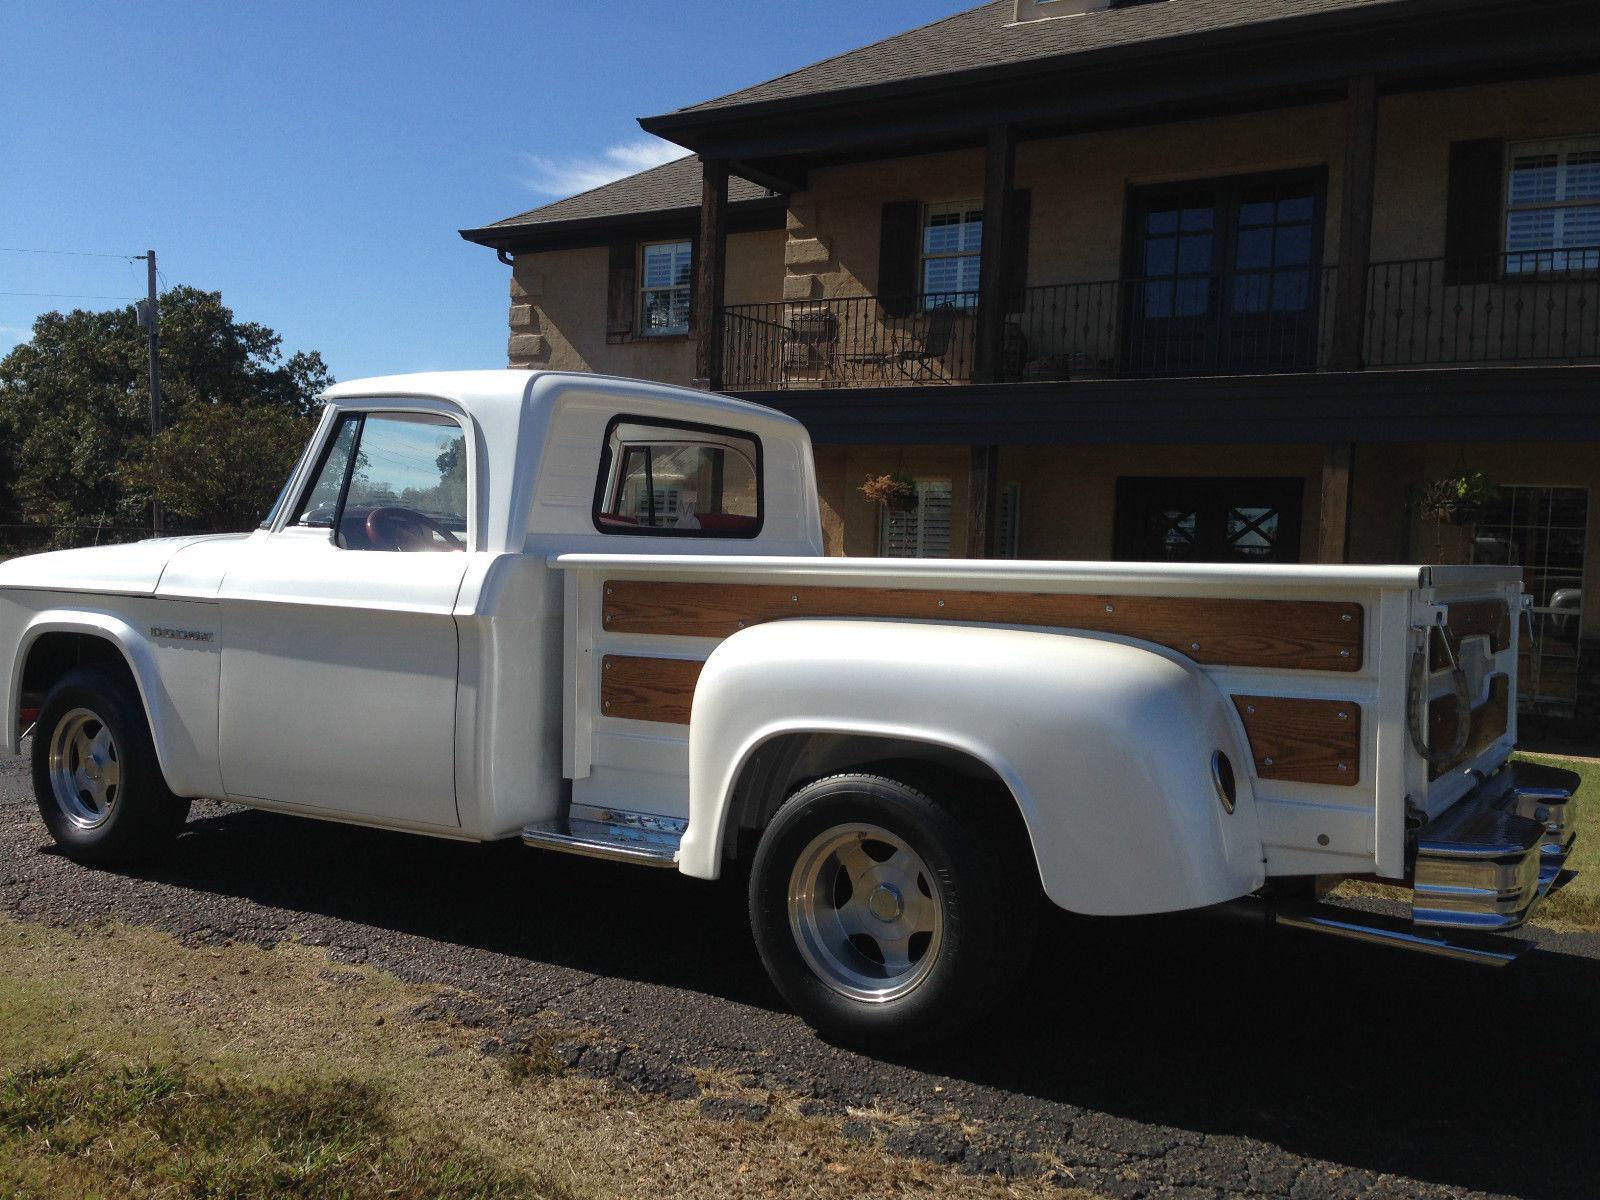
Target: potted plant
[1456, 499]
[897, 492]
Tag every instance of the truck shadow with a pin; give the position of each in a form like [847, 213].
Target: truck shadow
[1382, 1061]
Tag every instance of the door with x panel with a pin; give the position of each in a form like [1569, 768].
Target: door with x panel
[1209, 520]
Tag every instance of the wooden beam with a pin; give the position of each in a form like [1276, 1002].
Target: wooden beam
[999, 169]
[1355, 224]
[710, 273]
[983, 493]
[1333, 530]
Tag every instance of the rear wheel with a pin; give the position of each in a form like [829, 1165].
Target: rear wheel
[95, 774]
[885, 918]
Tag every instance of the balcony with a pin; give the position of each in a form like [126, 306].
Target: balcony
[1523, 309]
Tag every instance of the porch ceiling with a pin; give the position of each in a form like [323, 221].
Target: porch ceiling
[1557, 403]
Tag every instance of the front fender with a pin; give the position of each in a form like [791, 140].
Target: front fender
[184, 748]
[1105, 744]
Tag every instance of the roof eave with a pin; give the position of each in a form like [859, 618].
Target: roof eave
[744, 216]
[681, 125]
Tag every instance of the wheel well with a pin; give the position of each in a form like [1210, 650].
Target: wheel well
[54, 654]
[788, 762]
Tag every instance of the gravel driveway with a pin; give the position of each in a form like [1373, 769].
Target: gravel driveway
[1153, 1057]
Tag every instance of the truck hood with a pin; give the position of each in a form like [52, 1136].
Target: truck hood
[131, 569]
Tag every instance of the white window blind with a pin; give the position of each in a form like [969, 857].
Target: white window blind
[1553, 205]
[664, 288]
[922, 532]
[952, 241]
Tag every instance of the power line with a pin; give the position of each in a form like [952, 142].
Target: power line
[68, 295]
[69, 253]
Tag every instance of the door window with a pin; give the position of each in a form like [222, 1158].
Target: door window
[392, 481]
[1208, 520]
[1226, 275]
[1543, 530]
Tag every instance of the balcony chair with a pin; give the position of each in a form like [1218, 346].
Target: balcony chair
[920, 357]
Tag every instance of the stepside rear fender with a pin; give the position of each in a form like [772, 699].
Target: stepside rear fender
[1105, 744]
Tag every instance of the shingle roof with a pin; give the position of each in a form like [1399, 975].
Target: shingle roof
[673, 185]
[987, 37]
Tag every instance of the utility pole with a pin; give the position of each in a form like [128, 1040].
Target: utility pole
[149, 317]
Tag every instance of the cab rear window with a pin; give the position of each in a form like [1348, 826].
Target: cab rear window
[678, 481]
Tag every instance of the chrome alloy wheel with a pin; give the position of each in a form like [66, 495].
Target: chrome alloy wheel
[85, 768]
[866, 913]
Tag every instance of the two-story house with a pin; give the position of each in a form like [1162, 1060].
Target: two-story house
[1176, 279]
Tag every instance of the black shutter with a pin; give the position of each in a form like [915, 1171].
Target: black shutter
[899, 241]
[621, 298]
[1017, 251]
[694, 274]
[1473, 211]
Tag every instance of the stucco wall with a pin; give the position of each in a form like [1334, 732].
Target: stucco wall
[1080, 183]
[558, 310]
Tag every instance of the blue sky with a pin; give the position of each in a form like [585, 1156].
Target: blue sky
[312, 160]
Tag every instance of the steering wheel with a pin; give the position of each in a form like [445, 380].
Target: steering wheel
[408, 529]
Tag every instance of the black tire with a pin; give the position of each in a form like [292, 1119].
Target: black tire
[104, 824]
[979, 877]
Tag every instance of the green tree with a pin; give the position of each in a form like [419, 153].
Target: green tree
[221, 466]
[75, 414]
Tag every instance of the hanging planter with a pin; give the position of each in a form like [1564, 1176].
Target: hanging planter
[896, 492]
[1456, 499]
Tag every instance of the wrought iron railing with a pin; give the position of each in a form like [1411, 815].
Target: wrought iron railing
[1195, 326]
[1535, 307]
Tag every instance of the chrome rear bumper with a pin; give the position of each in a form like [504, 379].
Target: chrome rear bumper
[1486, 862]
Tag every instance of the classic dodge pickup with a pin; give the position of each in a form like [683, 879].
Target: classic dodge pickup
[595, 614]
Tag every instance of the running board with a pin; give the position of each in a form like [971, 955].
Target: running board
[1400, 934]
[626, 837]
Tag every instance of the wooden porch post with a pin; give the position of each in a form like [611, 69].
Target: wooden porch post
[1355, 225]
[710, 272]
[999, 169]
[1333, 530]
[983, 491]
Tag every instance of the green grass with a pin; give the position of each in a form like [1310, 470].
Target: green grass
[1577, 905]
[90, 1125]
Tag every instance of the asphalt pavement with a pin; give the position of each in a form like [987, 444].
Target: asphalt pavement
[1160, 1057]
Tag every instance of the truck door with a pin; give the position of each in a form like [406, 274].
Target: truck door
[339, 655]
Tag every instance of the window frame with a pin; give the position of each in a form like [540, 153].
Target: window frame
[603, 480]
[330, 436]
[1561, 144]
[968, 299]
[642, 288]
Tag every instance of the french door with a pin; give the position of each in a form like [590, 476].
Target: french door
[1208, 520]
[1225, 275]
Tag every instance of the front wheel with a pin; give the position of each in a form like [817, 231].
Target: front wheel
[95, 776]
[885, 918]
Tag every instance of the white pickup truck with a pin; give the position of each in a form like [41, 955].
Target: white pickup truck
[595, 614]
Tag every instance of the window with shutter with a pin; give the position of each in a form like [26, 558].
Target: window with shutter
[1552, 202]
[922, 532]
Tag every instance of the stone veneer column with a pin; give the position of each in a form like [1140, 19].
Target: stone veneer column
[527, 347]
[806, 257]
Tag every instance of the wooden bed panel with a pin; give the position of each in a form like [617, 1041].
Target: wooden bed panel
[1304, 741]
[648, 689]
[1304, 635]
[1490, 720]
[1300, 740]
